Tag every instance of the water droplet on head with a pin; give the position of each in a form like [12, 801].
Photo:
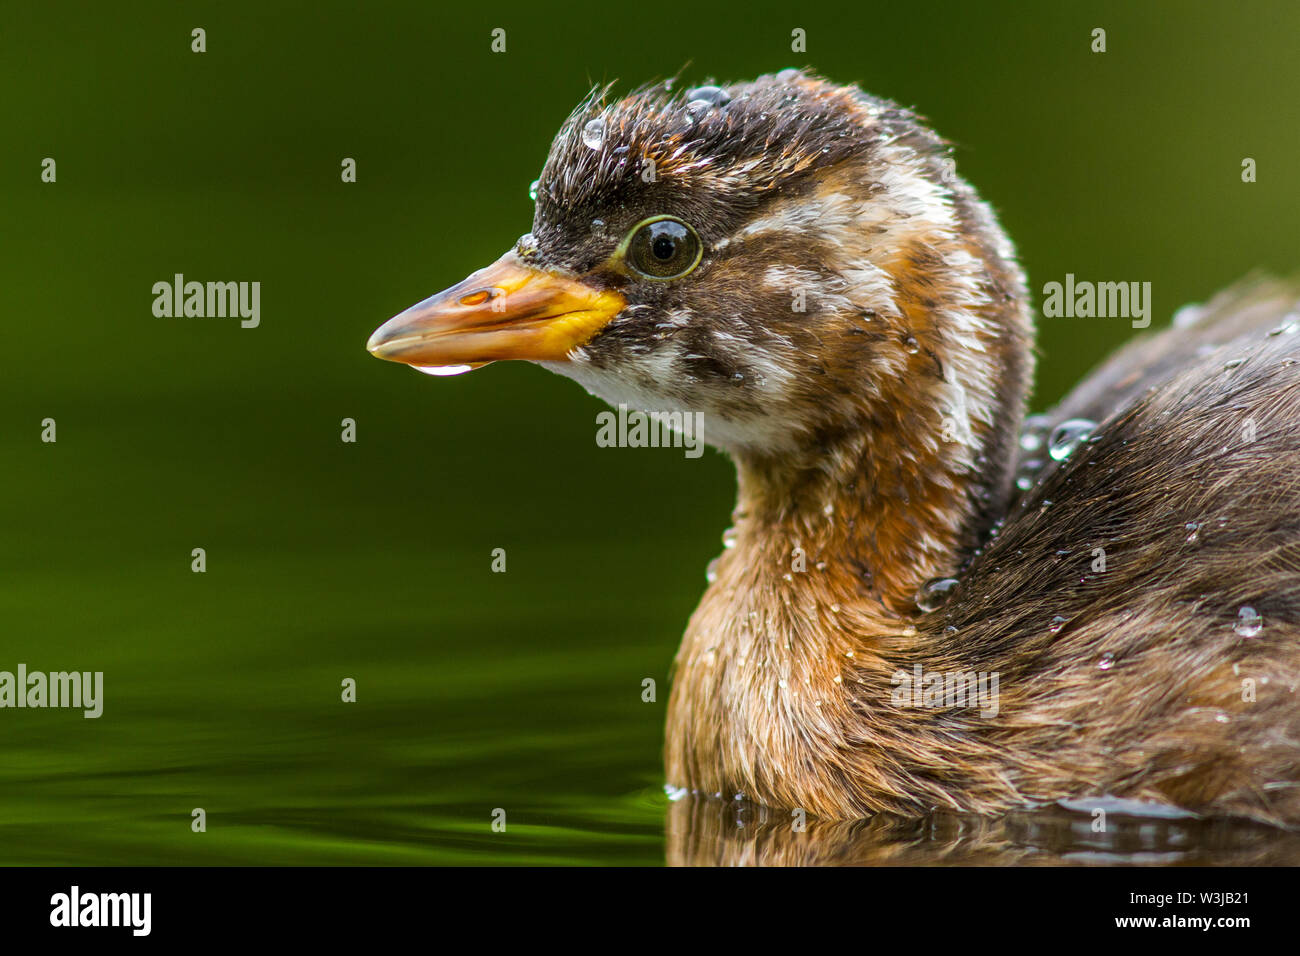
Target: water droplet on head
[1249, 623]
[911, 346]
[1229, 365]
[1068, 436]
[711, 571]
[695, 111]
[444, 369]
[934, 593]
[593, 134]
[1107, 661]
[729, 538]
[1193, 531]
[532, 189]
[709, 95]
[1188, 315]
[1058, 622]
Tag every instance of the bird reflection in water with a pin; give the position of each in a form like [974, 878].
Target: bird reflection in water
[708, 831]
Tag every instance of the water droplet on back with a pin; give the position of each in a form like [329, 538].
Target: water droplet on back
[1068, 436]
[935, 592]
[1249, 623]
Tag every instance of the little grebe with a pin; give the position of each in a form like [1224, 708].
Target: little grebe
[798, 262]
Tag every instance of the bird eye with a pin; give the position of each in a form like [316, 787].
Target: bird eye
[662, 248]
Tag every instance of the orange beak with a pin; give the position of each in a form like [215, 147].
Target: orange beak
[507, 311]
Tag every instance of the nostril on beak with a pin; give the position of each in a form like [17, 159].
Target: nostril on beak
[479, 296]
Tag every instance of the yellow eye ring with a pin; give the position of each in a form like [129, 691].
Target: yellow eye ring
[661, 248]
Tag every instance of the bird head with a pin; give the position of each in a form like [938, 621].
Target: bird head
[794, 260]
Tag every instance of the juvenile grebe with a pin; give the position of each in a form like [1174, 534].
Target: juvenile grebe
[797, 262]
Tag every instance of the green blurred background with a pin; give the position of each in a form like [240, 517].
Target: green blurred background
[371, 560]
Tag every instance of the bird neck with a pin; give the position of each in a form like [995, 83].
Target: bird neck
[808, 612]
[883, 510]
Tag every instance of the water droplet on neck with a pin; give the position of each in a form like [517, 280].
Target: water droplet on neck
[729, 538]
[1193, 531]
[711, 571]
[911, 346]
[1033, 432]
[593, 134]
[934, 593]
[1068, 436]
[1229, 365]
[1107, 661]
[1027, 474]
[532, 189]
[1058, 622]
[1249, 623]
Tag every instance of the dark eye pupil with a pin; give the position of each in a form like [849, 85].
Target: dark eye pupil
[664, 247]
